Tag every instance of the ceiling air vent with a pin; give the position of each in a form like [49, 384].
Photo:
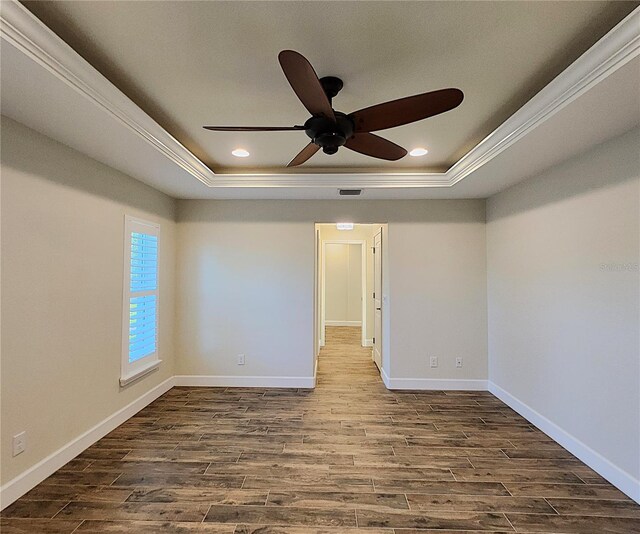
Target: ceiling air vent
[350, 192]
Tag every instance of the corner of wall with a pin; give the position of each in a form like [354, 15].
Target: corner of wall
[21, 484]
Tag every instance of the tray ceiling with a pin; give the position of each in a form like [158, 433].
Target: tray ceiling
[193, 63]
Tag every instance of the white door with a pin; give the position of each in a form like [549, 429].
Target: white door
[377, 299]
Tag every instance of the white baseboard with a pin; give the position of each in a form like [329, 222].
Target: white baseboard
[343, 323]
[245, 381]
[368, 342]
[16, 488]
[619, 478]
[434, 384]
[315, 373]
[385, 378]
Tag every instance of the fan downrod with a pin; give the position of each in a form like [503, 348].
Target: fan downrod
[331, 86]
[324, 133]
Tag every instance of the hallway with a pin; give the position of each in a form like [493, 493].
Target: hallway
[349, 456]
[344, 362]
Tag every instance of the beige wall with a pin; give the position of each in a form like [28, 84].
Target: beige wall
[556, 266]
[355, 293]
[563, 291]
[343, 283]
[62, 269]
[246, 285]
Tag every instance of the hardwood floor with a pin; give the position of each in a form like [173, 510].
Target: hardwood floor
[347, 457]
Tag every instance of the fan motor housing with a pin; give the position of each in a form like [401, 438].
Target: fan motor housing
[327, 134]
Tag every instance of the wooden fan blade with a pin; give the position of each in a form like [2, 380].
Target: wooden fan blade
[252, 128]
[305, 83]
[406, 110]
[304, 155]
[373, 145]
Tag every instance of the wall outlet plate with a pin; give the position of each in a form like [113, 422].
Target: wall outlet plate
[433, 361]
[19, 443]
[458, 362]
[240, 359]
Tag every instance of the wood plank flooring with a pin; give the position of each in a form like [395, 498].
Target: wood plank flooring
[347, 457]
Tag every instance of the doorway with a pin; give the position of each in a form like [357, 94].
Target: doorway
[347, 302]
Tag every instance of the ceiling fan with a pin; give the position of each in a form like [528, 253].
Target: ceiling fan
[330, 129]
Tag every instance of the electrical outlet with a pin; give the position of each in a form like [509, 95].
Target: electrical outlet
[19, 443]
[433, 361]
[458, 362]
[240, 359]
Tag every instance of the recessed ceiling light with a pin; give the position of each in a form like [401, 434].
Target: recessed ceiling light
[240, 153]
[418, 152]
[344, 226]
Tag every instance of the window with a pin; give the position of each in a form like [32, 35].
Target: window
[140, 303]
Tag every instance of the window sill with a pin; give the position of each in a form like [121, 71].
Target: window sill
[139, 373]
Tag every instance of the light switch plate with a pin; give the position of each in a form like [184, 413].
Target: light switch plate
[19, 443]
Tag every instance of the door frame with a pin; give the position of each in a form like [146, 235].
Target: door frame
[377, 254]
[363, 284]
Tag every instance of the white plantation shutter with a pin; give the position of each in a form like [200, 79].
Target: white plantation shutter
[144, 262]
[143, 327]
[140, 314]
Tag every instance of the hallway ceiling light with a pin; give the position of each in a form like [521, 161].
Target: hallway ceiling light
[344, 226]
[418, 152]
[240, 153]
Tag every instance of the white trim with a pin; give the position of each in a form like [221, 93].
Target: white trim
[24, 31]
[343, 323]
[16, 488]
[132, 371]
[315, 373]
[363, 292]
[368, 342]
[245, 381]
[34, 39]
[435, 384]
[385, 378]
[381, 253]
[316, 291]
[139, 373]
[611, 52]
[622, 480]
[355, 180]
[323, 329]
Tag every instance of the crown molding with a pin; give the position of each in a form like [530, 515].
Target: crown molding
[369, 180]
[28, 34]
[611, 52]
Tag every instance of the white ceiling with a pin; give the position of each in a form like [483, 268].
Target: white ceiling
[48, 87]
[193, 63]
